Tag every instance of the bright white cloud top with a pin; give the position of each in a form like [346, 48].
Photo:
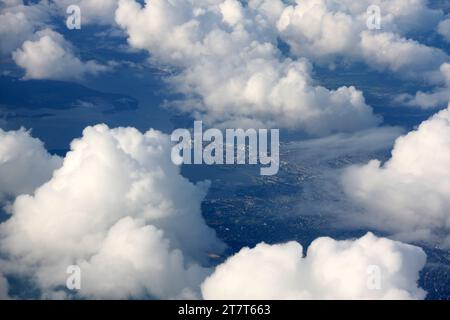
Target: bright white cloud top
[120, 210]
[18, 23]
[410, 193]
[50, 56]
[232, 70]
[437, 98]
[26, 35]
[230, 67]
[326, 31]
[24, 164]
[365, 268]
[444, 29]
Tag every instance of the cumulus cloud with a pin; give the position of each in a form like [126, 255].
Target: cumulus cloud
[364, 268]
[231, 70]
[18, 23]
[444, 29]
[24, 163]
[389, 51]
[410, 193]
[326, 31]
[438, 97]
[26, 35]
[120, 210]
[50, 56]
[136, 260]
[10, 3]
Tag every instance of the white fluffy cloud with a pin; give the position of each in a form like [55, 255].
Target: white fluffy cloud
[43, 53]
[365, 268]
[234, 74]
[327, 30]
[50, 56]
[18, 23]
[437, 98]
[120, 210]
[232, 70]
[410, 193]
[24, 163]
[389, 51]
[444, 29]
[10, 3]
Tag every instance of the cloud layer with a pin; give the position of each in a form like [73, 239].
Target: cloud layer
[120, 210]
[232, 71]
[326, 31]
[365, 268]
